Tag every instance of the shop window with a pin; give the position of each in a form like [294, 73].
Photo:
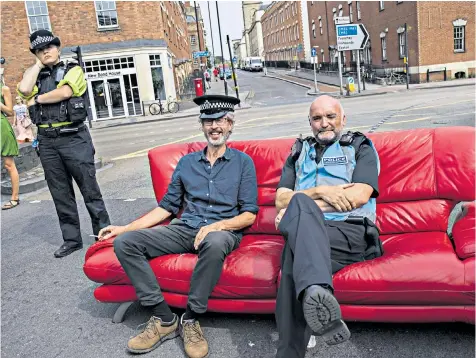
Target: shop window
[157, 77]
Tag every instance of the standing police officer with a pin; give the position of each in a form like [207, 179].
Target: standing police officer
[326, 200]
[55, 97]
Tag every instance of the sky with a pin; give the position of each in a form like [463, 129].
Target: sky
[231, 21]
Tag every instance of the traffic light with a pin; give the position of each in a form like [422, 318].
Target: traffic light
[79, 56]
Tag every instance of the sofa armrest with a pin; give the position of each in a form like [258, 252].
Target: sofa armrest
[463, 231]
[99, 245]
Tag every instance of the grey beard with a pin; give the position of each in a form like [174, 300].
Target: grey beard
[338, 136]
[218, 142]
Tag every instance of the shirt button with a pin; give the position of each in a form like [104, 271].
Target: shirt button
[210, 206]
[207, 194]
[211, 181]
[209, 167]
[205, 220]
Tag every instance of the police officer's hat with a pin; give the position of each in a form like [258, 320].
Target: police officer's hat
[215, 106]
[41, 39]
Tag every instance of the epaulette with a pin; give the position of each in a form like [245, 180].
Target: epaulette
[297, 146]
[352, 138]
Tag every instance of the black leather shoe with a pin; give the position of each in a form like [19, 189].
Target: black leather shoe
[323, 315]
[67, 249]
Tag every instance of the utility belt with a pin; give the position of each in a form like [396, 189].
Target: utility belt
[72, 110]
[372, 236]
[53, 132]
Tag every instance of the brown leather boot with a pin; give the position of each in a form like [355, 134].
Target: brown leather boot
[153, 335]
[195, 344]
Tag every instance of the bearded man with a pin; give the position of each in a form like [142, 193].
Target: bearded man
[326, 212]
[217, 189]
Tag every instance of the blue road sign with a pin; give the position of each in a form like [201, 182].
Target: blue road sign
[235, 59]
[351, 37]
[313, 52]
[201, 54]
[347, 30]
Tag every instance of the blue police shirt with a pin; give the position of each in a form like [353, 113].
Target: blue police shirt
[212, 193]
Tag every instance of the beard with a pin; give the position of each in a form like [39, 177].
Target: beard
[222, 138]
[325, 137]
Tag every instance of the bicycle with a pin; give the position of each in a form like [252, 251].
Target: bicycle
[158, 108]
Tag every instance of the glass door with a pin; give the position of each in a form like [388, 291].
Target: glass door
[116, 100]
[100, 99]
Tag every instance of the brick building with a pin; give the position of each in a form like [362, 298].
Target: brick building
[440, 35]
[196, 37]
[133, 52]
[283, 36]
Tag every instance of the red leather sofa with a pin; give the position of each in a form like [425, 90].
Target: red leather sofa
[424, 275]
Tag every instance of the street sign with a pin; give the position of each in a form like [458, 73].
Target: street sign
[299, 48]
[201, 54]
[341, 20]
[350, 80]
[235, 59]
[351, 37]
[313, 52]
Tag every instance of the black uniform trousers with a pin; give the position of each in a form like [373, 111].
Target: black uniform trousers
[314, 250]
[134, 249]
[71, 156]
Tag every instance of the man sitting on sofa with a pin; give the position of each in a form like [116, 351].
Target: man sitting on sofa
[326, 205]
[217, 188]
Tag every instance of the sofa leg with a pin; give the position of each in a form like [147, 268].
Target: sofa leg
[121, 312]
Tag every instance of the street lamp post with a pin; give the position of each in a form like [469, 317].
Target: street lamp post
[211, 31]
[222, 54]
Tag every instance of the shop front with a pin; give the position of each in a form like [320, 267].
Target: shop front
[113, 88]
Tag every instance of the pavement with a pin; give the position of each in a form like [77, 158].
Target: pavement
[48, 307]
[305, 78]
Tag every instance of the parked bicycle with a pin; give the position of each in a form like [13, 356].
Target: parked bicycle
[157, 108]
[394, 78]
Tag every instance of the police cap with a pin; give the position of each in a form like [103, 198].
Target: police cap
[215, 106]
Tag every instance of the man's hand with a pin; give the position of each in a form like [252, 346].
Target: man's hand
[110, 231]
[335, 196]
[204, 231]
[279, 217]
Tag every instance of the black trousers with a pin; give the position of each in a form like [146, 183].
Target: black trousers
[134, 249]
[314, 250]
[64, 158]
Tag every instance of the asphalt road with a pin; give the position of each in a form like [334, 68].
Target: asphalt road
[48, 308]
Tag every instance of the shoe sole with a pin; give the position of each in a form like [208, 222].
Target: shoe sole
[323, 315]
[171, 335]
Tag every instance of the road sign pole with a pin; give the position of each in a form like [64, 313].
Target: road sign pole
[232, 69]
[340, 73]
[406, 54]
[315, 75]
[358, 69]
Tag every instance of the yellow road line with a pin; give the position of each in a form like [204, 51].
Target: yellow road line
[439, 105]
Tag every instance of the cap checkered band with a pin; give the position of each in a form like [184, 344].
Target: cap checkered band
[217, 105]
[42, 39]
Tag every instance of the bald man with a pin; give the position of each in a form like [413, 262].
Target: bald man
[326, 212]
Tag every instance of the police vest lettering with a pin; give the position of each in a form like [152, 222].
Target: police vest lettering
[335, 168]
[71, 110]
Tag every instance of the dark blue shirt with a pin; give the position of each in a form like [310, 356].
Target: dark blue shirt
[212, 193]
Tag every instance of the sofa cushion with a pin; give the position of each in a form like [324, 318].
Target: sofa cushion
[416, 269]
[249, 271]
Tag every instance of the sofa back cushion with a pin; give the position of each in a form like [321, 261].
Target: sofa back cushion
[423, 172]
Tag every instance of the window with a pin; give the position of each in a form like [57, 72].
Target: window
[313, 29]
[341, 11]
[381, 6]
[458, 35]
[359, 15]
[458, 32]
[109, 64]
[320, 25]
[106, 14]
[193, 40]
[383, 41]
[37, 13]
[350, 12]
[157, 76]
[401, 45]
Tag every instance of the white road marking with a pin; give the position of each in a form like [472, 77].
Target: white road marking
[130, 199]
[35, 201]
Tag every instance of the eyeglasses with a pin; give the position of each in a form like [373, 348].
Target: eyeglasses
[209, 122]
